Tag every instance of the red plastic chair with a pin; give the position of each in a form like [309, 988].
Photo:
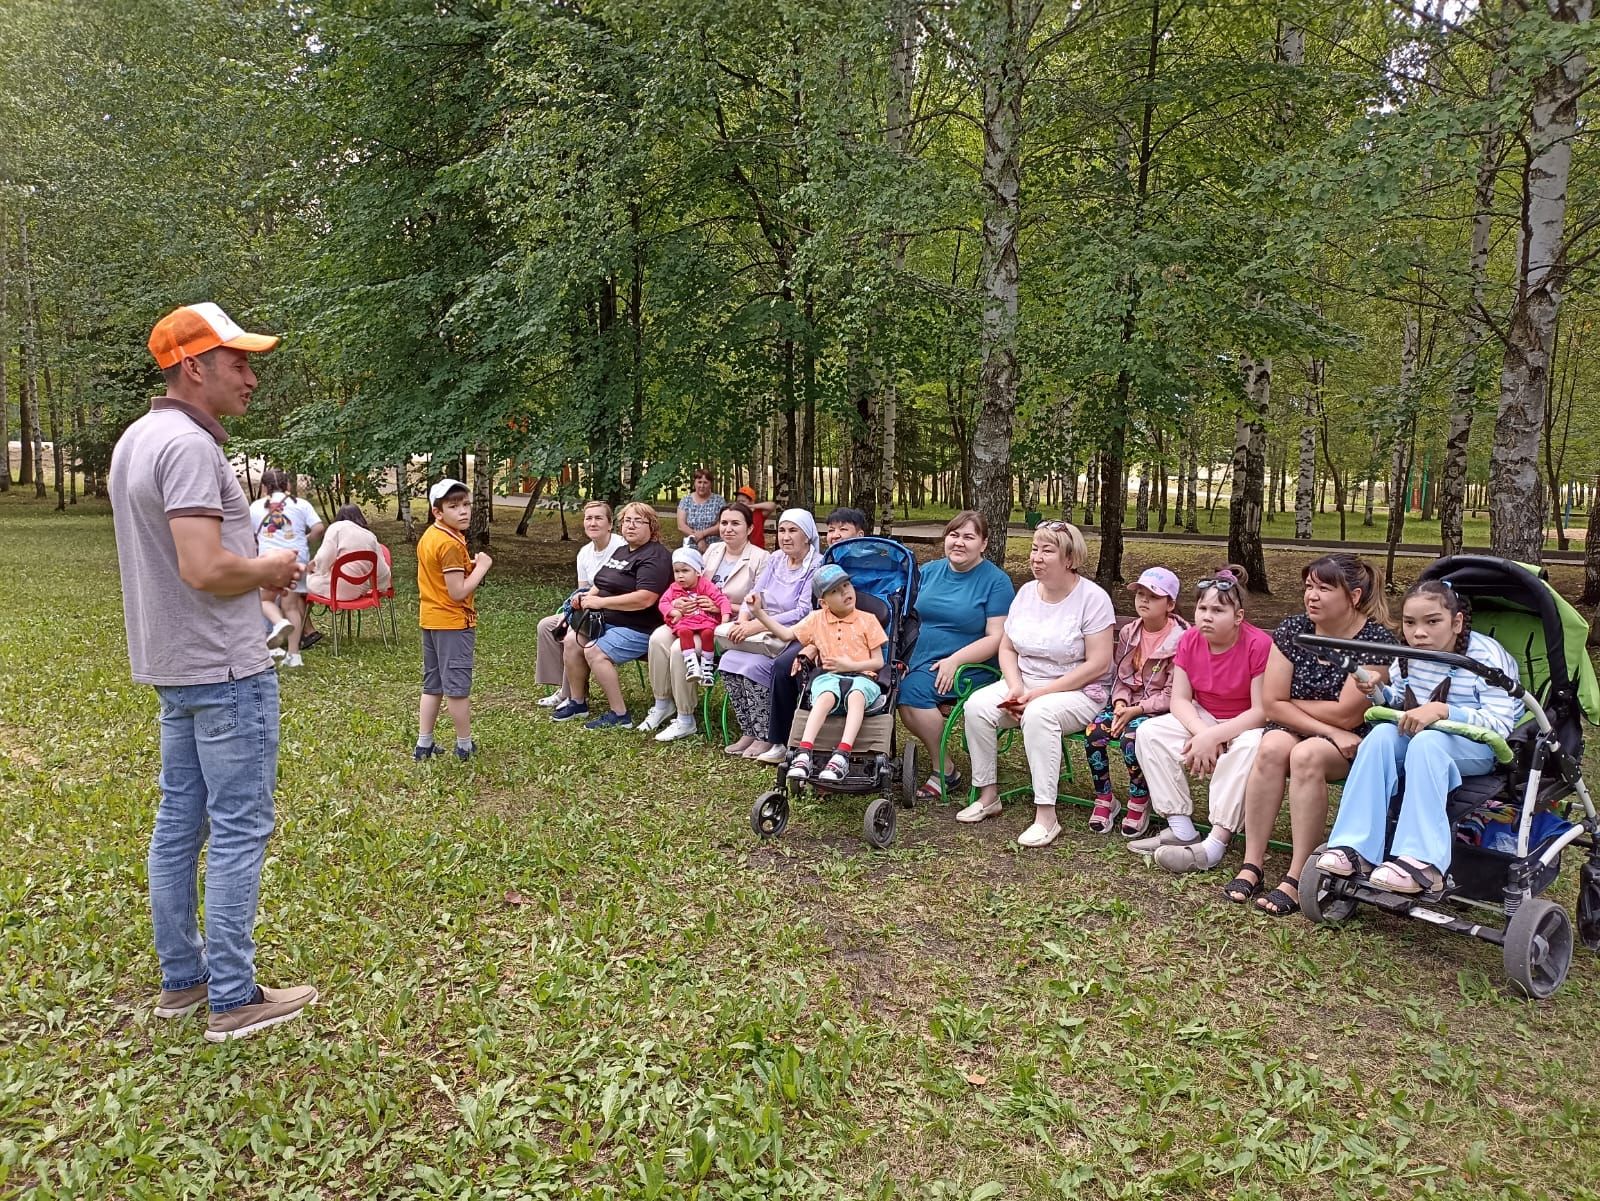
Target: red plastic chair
[371, 596]
[388, 593]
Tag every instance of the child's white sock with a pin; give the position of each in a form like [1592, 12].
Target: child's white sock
[1214, 848]
[463, 744]
[1182, 827]
[424, 740]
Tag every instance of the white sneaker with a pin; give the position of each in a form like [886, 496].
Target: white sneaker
[801, 767]
[551, 701]
[280, 632]
[659, 712]
[294, 661]
[681, 726]
[774, 755]
[838, 765]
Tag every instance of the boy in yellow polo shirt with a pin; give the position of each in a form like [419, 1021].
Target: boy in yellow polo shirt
[848, 642]
[447, 578]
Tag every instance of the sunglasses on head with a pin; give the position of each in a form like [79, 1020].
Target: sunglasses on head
[1221, 585]
[1056, 526]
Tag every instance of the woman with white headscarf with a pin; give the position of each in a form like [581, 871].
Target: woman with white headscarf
[747, 666]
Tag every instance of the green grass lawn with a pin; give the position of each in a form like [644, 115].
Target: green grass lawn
[568, 969]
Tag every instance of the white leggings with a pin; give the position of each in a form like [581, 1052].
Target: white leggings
[1159, 748]
[1044, 722]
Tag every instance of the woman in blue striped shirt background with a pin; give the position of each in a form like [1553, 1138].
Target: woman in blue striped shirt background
[1434, 618]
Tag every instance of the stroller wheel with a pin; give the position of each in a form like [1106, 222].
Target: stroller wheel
[908, 773]
[1589, 905]
[878, 824]
[1322, 897]
[1538, 947]
[770, 814]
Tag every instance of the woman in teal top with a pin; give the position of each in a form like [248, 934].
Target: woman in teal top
[962, 602]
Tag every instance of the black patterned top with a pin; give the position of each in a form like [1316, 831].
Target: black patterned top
[1317, 676]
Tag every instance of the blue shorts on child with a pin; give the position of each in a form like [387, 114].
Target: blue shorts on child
[834, 683]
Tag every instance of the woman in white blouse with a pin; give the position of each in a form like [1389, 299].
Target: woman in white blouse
[732, 565]
[603, 540]
[1055, 660]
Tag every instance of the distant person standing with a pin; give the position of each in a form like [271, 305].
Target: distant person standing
[190, 578]
[698, 512]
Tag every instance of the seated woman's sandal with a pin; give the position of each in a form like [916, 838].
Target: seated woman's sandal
[1342, 861]
[1241, 888]
[1408, 877]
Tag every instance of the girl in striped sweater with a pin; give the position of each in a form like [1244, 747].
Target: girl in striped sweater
[1435, 759]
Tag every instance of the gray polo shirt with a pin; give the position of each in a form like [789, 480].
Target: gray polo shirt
[169, 463]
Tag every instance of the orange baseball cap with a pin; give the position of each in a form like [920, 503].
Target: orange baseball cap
[197, 328]
[747, 492]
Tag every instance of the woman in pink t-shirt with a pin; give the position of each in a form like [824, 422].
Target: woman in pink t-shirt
[1214, 729]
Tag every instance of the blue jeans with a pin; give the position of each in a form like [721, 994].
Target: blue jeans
[219, 762]
[1435, 763]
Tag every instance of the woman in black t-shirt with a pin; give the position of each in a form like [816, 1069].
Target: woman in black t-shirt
[627, 585]
[1315, 720]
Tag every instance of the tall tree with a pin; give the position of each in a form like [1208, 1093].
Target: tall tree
[1002, 62]
[1475, 329]
[1516, 492]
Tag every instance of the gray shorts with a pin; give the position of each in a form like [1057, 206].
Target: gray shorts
[447, 662]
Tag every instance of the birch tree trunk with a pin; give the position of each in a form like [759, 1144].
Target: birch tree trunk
[482, 497]
[1191, 521]
[1002, 64]
[1250, 433]
[1464, 398]
[1591, 551]
[26, 390]
[903, 29]
[1516, 495]
[33, 465]
[1405, 440]
[1306, 482]
[1249, 474]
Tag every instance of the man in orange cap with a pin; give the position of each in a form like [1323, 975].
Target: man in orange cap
[190, 575]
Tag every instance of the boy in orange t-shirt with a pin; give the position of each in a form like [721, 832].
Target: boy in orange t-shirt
[447, 577]
[849, 645]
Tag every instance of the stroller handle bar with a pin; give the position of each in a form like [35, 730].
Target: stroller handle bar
[1372, 652]
[1353, 652]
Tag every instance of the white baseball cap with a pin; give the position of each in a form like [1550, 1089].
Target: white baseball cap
[443, 488]
[1160, 581]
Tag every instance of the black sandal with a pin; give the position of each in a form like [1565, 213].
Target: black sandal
[1239, 889]
[1278, 903]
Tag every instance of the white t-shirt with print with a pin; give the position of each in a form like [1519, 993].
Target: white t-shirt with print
[285, 524]
[589, 559]
[1049, 638]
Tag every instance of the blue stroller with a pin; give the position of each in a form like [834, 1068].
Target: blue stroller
[1535, 802]
[885, 575]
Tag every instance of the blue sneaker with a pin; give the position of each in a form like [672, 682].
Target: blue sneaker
[423, 753]
[610, 721]
[567, 710]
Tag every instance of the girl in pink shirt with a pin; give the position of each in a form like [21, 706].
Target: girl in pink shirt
[1214, 729]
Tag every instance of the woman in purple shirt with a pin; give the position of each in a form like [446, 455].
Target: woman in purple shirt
[785, 588]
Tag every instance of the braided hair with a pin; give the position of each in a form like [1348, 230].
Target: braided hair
[1453, 603]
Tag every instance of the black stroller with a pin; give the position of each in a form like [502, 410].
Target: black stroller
[1539, 773]
[885, 575]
